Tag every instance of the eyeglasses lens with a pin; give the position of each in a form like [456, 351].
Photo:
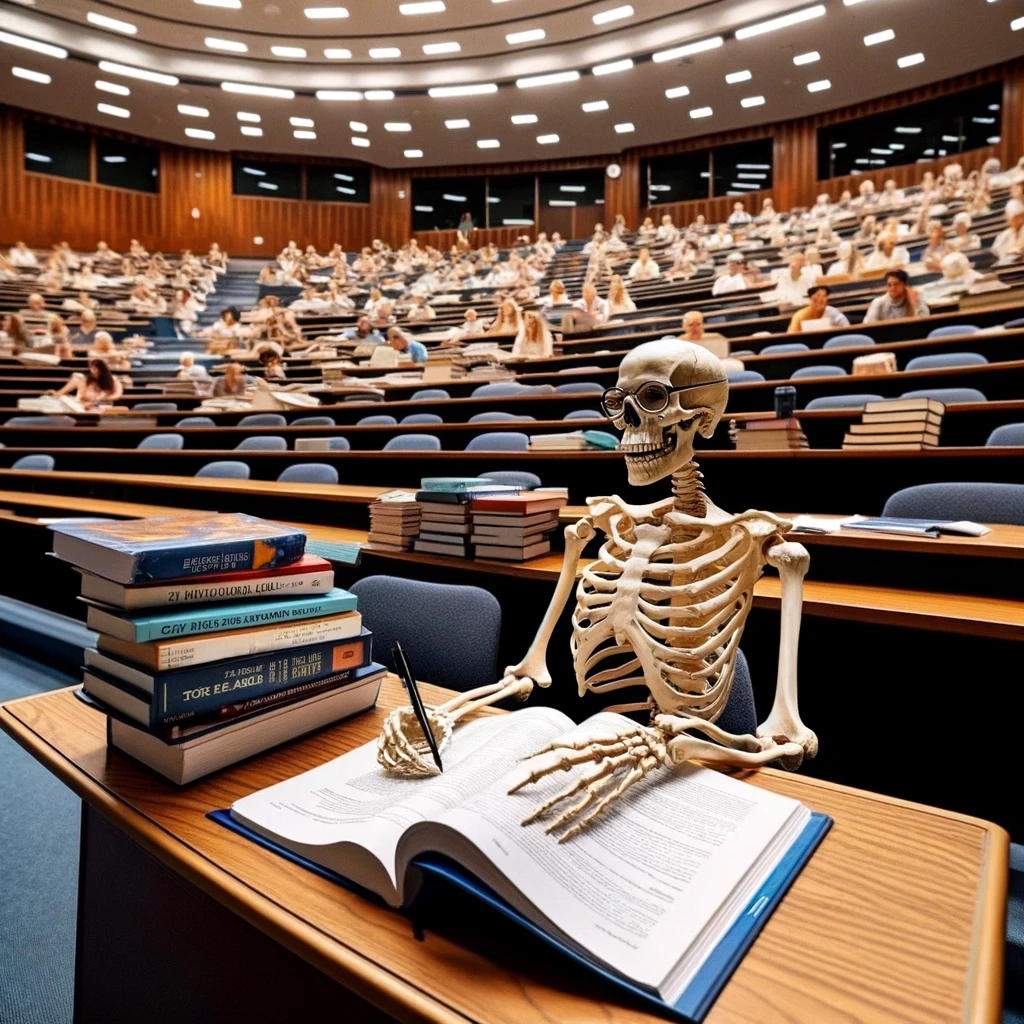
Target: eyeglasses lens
[652, 396]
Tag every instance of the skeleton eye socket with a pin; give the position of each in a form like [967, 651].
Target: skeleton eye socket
[652, 396]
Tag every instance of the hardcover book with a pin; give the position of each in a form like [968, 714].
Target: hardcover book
[520, 504]
[188, 544]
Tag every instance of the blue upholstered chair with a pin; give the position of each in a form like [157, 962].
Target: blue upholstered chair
[492, 417]
[263, 419]
[226, 469]
[338, 444]
[744, 376]
[580, 369]
[382, 420]
[422, 418]
[1009, 435]
[450, 633]
[585, 414]
[262, 443]
[40, 421]
[1014, 325]
[580, 387]
[500, 389]
[947, 395]
[498, 442]
[786, 346]
[953, 331]
[309, 473]
[314, 421]
[35, 462]
[155, 407]
[413, 442]
[818, 370]
[981, 502]
[525, 418]
[514, 478]
[426, 394]
[849, 341]
[166, 441]
[740, 715]
[196, 421]
[842, 401]
[946, 359]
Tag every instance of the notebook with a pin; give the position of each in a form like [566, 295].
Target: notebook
[918, 527]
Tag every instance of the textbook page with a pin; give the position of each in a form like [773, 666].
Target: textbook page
[328, 813]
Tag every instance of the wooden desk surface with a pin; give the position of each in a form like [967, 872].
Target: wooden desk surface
[898, 916]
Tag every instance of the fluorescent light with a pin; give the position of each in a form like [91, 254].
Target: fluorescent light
[433, 49]
[338, 94]
[326, 12]
[188, 111]
[343, 177]
[337, 53]
[993, 106]
[358, 140]
[235, 4]
[453, 198]
[254, 171]
[613, 68]
[301, 122]
[288, 51]
[109, 108]
[983, 120]
[615, 14]
[910, 60]
[751, 176]
[457, 122]
[385, 52]
[994, 140]
[754, 167]
[892, 145]
[228, 45]
[530, 35]
[524, 118]
[129, 72]
[743, 184]
[949, 138]
[807, 58]
[248, 129]
[547, 140]
[908, 131]
[701, 112]
[594, 105]
[487, 143]
[819, 86]
[660, 188]
[561, 202]
[302, 133]
[885, 152]
[268, 185]
[861, 160]
[479, 89]
[115, 159]
[397, 126]
[102, 21]
[687, 49]
[356, 126]
[493, 199]
[345, 190]
[423, 209]
[31, 76]
[738, 76]
[379, 94]
[117, 90]
[783, 21]
[273, 91]
[752, 101]
[413, 154]
[885, 36]
[676, 91]
[572, 188]
[1017, 24]
[625, 128]
[199, 133]
[531, 81]
[424, 7]
[31, 44]
[39, 158]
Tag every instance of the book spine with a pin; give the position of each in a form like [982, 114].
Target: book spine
[203, 593]
[204, 559]
[181, 695]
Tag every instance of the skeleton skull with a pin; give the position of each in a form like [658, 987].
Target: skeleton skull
[657, 444]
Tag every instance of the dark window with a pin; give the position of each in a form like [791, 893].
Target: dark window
[267, 178]
[743, 167]
[510, 200]
[439, 203]
[60, 151]
[674, 179]
[127, 165]
[572, 188]
[925, 131]
[331, 184]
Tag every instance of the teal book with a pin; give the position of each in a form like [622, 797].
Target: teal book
[188, 544]
[194, 621]
[454, 484]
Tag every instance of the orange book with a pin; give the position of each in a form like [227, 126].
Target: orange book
[523, 504]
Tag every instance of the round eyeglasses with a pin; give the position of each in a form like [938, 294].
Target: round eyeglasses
[651, 397]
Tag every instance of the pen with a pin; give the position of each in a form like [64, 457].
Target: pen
[402, 664]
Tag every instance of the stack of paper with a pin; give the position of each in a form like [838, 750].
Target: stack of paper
[904, 424]
[771, 435]
[394, 521]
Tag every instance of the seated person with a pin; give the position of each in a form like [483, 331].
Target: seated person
[592, 304]
[14, 333]
[732, 280]
[938, 248]
[667, 231]
[233, 382]
[58, 335]
[887, 254]
[273, 367]
[693, 330]
[793, 283]
[556, 296]
[405, 346]
[957, 277]
[534, 340]
[900, 300]
[1010, 242]
[85, 336]
[270, 275]
[508, 320]
[95, 388]
[849, 262]
[817, 308]
[739, 218]
[363, 332]
[35, 307]
[22, 256]
[419, 311]
[103, 347]
[618, 298]
[83, 301]
[644, 269]
[964, 239]
[189, 369]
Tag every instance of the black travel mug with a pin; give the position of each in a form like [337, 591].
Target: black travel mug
[785, 401]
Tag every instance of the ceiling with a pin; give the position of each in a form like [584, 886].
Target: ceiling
[171, 37]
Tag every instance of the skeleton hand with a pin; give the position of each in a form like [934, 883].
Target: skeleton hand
[402, 747]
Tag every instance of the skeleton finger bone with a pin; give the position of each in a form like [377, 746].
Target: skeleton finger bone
[402, 747]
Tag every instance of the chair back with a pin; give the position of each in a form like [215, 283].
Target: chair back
[196, 421]
[338, 444]
[500, 389]
[314, 421]
[413, 442]
[377, 421]
[155, 407]
[262, 443]
[426, 394]
[309, 473]
[948, 395]
[842, 401]
[743, 376]
[818, 370]
[263, 419]
[165, 441]
[980, 502]
[514, 478]
[941, 359]
[225, 470]
[740, 715]
[787, 346]
[40, 421]
[422, 417]
[46, 462]
[580, 387]
[499, 441]
[585, 414]
[849, 341]
[492, 417]
[1009, 435]
[953, 331]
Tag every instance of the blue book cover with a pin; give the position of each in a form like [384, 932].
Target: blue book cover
[178, 695]
[197, 620]
[699, 996]
[188, 544]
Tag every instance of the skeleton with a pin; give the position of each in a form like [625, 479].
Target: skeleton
[663, 607]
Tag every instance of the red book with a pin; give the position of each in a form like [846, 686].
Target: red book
[522, 504]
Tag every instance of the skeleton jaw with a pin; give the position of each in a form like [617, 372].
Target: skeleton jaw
[653, 451]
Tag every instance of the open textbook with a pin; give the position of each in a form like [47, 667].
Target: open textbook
[646, 894]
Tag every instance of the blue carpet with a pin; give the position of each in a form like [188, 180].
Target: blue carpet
[39, 822]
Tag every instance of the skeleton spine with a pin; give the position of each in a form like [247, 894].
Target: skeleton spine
[688, 490]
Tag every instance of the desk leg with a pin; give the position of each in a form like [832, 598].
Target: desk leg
[152, 947]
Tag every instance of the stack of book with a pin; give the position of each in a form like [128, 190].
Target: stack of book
[771, 435]
[394, 521]
[445, 521]
[218, 638]
[514, 527]
[902, 424]
[574, 441]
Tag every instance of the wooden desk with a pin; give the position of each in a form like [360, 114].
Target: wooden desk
[899, 915]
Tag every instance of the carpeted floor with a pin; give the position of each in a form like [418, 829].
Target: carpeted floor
[39, 820]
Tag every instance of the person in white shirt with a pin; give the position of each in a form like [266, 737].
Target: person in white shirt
[667, 231]
[592, 304]
[719, 238]
[768, 213]
[739, 218]
[849, 261]
[189, 368]
[887, 254]
[793, 283]
[1011, 241]
[22, 256]
[891, 195]
[821, 208]
[644, 269]
[964, 238]
[618, 298]
[732, 280]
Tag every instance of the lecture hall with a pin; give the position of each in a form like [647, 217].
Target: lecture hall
[506, 507]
